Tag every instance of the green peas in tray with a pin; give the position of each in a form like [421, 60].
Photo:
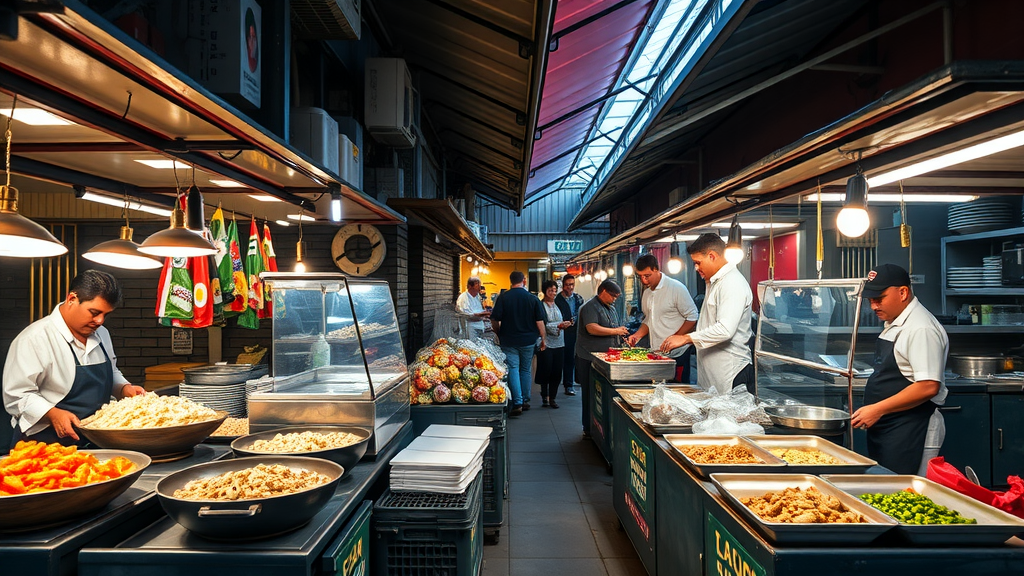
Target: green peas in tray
[909, 507]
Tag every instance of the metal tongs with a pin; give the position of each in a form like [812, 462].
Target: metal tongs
[625, 342]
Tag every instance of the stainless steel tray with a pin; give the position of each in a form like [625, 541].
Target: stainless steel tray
[223, 374]
[808, 417]
[853, 463]
[627, 371]
[636, 397]
[732, 487]
[993, 527]
[771, 463]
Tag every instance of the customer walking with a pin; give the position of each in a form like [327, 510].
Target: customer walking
[569, 303]
[549, 360]
[518, 320]
[599, 330]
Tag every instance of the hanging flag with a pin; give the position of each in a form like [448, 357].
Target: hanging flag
[216, 293]
[269, 265]
[219, 232]
[176, 298]
[235, 299]
[202, 314]
[253, 269]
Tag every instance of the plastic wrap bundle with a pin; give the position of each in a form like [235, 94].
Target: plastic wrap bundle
[668, 407]
[457, 371]
[449, 324]
[486, 349]
[739, 405]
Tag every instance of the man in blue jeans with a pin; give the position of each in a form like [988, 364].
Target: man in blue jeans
[518, 320]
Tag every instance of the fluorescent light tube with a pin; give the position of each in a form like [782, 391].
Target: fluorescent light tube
[876, 198]
[950, 159]
[37, 117]
[164, 164]
[120, 203]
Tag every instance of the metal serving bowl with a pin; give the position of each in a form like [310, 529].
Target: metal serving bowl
[346, 456]
[53, 507]
[156, 442]
[808, 417]
[247, 519]
[223, 374]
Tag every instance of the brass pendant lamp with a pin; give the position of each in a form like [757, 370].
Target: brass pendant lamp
[19, 236]
[122, 253]
[179, 241]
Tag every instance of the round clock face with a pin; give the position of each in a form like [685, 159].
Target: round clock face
[358, 249]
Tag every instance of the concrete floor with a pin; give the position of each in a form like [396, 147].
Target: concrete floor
[559, 518]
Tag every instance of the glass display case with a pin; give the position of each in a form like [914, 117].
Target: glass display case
[337, 356]
[806, 338]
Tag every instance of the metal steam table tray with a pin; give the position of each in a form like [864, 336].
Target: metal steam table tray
[770, 464]
[853, 463]
[636, 396]
[629, 371]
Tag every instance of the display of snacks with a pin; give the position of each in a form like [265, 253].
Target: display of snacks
[294, 442]
[632, 355]
[39, 467]
[801, 506]
[149, 411]
[909, 507]
[455, 371]
[260, 481]
[719, 454]
[806, 456]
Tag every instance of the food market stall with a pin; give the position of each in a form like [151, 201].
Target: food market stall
[338, 357]
[631, 368]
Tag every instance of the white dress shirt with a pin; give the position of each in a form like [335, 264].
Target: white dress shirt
[723, 330]
[920, 345]
[666, 307]
[469, 304]
[40, 369]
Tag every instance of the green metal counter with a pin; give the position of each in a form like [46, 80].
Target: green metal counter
[680, 525]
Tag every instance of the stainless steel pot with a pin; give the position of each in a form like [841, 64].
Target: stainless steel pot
[976, 366]
[808, 417]
[347, 456]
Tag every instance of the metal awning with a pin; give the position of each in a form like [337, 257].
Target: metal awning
[125, 105]
[955, 106]
[441, 217]
[478, 66]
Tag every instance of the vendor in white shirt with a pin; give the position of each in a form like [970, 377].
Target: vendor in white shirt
[901, 398]
[668, 309]
[469, 303]
[62, 368]
[723, 330]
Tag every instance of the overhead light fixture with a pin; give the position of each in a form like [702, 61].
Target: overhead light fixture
[336, 206]
[734, 247]
[853, 220]
[284, 222]
[163, 164]
[226, 183]
[264, 197]
[759, 225]
[950, 159]
[177, 241]
[675, 263]
[37, 117]
[122, 253]
[195, 216]
[882, 198]
[82, 194]
[19, 236]
[611, 270]
[627, 270]
[469, 258]
[300, 249]
[301, 218]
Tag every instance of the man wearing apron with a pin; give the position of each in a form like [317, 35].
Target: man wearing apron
[61, 369]
[901, 398]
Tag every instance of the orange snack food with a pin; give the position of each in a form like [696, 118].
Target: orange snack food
[37, 467]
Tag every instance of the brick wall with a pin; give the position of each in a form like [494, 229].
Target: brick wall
[140, 342]
[432, 284]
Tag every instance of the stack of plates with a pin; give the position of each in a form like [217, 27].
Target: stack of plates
[980, 216]
[264, 384]
[974, 276]
[440, 465]
[229, 397]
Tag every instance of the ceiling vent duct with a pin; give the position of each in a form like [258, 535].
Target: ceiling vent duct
[326, 19]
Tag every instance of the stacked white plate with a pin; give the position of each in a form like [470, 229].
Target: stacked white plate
[439, 465]
[980, 216]
[974, 276]
[229, 398]
[263, 384]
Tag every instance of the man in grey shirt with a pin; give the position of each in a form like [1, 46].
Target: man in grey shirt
[599, 330]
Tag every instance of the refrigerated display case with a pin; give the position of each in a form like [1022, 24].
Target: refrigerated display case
[337, 356]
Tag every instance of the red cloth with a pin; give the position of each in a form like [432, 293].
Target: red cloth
[1011, 501]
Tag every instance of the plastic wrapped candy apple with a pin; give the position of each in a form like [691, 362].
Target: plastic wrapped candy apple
[433, 376]
[461, 394]
[497, 395]
[451, 375]
[460, 360]
[488, 377]
[481, 394]
[424, 398]
[442, 394]
[471, 375]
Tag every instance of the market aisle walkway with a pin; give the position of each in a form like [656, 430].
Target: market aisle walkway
[559, 520]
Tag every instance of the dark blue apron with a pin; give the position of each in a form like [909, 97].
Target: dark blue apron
[896, 441]
[92, 388]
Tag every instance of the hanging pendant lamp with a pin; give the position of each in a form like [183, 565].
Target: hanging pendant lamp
[178, 241]
[122, 253]
[19, 236]
[734, 248]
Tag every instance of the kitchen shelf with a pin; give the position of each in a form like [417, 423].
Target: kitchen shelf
[985, 291]
[991, 234]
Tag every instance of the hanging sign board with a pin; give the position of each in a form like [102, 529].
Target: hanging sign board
[181, 341]
[225, 48]
[565, 246]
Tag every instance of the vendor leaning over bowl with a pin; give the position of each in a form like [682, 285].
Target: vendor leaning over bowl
[901, 398]
[63, 368]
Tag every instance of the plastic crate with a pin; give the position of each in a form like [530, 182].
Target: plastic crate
[426, 534]
[495, 473]
[492, 415]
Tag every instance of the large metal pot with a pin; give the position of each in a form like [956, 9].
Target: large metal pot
[976, 366]
[346, 456]
[247, 519]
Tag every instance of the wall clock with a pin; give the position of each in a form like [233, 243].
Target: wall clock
[358, 249]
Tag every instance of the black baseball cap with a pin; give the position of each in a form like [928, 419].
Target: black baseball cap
[882, 277]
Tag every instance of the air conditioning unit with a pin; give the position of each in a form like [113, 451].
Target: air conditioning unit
[350, 166]
[326, 19]
[388, 105]
[314, 132]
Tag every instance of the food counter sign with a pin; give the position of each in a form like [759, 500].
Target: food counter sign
[639, 456]
[565, 246]
[724, 556]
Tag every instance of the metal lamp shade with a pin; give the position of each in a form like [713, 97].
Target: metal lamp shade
[734, 252]
[21, 237]
[122, 253]
[177, 241]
